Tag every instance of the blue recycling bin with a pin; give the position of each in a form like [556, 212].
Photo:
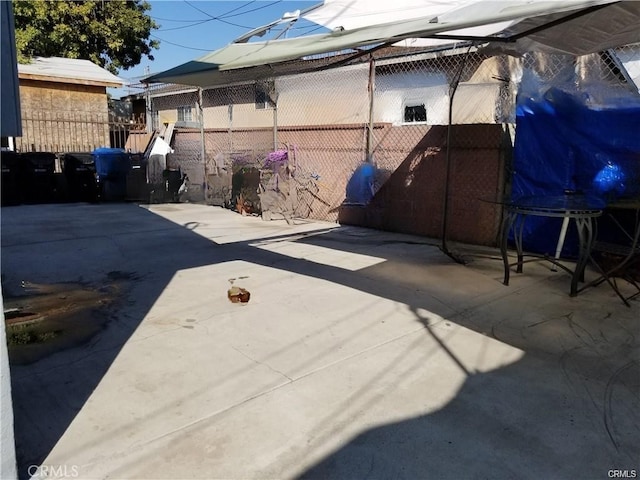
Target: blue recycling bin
[112, 167]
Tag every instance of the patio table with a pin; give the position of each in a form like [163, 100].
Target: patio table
[580, 208]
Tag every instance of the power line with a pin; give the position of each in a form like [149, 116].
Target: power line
[193, 23]
[175, 20]
[229, 14]
[224, 15]
[249, 11]
[238, 8]
[317, 27]
[185, 26]
[221, 17]
[218, 18]
[178, 45]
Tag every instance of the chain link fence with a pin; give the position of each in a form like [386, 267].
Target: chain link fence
[438, 128]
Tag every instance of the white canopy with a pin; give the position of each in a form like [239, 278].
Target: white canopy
[585, 34]
[571, 26]
[351, 14]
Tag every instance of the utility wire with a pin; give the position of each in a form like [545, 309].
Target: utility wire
[236, 9]
[249, 11]
[176, 20]
[185, 26]
[318, 27]
[193, 23]
[218, 18]
[178, 45]
[224, 15]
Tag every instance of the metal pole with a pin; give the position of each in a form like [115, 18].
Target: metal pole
[202, 145]
[445, 219]
[147, 101]
[275, 123]
[371, 87]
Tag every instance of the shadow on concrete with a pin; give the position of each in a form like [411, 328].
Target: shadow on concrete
[84, 243]
[524, 420]
[590, 363]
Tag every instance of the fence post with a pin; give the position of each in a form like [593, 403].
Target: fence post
[371, 87]
[272, 98]
[445, 207]
[202, 144]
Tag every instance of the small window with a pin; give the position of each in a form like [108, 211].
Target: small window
[263, 95]
[184, 114]
[415, 113]
[155, 120]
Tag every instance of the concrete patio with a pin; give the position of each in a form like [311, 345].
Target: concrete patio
[361, 354]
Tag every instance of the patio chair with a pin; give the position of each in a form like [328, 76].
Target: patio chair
[620, 259]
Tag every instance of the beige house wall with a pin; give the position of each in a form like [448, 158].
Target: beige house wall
[217, 117]
[167, 106]
[332, 97]
[303, 100]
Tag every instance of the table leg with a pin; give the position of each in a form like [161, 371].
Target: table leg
[507, 223]
[517, 236]
[585, 242]
[561, 238]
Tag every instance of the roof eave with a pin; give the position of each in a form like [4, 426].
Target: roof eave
[76, 81]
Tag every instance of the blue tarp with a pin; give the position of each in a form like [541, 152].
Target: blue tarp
[574, 142]
[360, 185]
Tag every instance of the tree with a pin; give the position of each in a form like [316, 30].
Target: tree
[111, 33]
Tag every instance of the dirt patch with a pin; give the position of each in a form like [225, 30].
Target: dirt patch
[42, 319]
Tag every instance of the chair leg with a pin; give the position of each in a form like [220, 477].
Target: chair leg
[614, 285]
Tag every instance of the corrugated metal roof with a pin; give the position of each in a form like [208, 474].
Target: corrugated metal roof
[68, 70]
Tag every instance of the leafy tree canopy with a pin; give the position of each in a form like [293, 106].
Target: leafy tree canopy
[111, 33]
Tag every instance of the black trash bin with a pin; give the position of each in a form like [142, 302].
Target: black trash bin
[172, 180]
[11, 178]
[80, 171]
[137, 187]
[38, 177]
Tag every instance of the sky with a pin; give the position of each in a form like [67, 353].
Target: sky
[191, 28]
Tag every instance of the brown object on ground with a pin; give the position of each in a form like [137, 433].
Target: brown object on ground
[244, 206]
[238, 295]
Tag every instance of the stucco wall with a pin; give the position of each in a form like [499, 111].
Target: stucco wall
[330, 97]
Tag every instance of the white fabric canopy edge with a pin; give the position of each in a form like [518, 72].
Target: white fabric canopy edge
[259, 53]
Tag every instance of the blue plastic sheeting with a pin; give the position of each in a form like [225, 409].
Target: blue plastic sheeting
[577, 143]
[360, 185]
